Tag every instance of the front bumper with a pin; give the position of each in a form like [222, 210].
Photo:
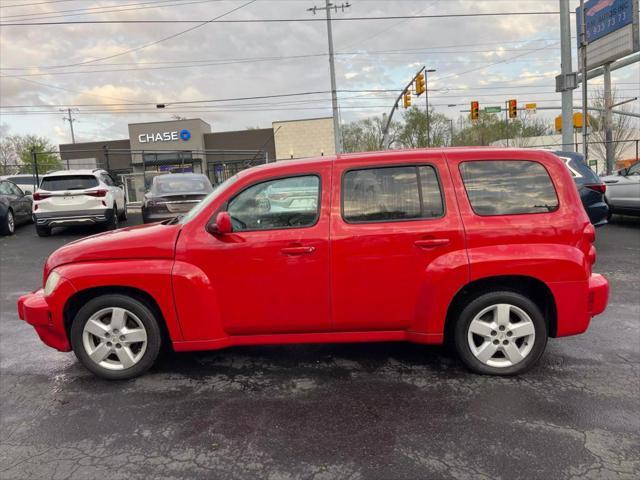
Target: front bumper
[79, 217]
[46, 316]
[598, 294]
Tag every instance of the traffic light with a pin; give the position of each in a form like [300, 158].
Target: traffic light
[421, 87]
[406, 100]
[513, 109]
[475, 110]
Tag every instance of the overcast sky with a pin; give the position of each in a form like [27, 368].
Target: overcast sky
[54, 65]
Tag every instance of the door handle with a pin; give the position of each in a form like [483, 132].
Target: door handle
[297, 250]
[432, 242]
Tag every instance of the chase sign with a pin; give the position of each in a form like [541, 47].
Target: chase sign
[171, 136]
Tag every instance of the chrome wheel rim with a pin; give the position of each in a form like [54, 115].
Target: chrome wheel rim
[114, 338]
[501, 335]
[11, 223]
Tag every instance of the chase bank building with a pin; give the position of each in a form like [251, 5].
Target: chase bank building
[189, 145]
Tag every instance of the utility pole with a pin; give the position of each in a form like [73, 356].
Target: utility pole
[569, 78]
[328, 6]
[583, 54]
[69, 119]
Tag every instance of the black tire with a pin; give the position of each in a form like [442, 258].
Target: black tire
[143, 313]
[8, 224]
[477, 305]
[123, 214]
[112, 222]
[43, 231]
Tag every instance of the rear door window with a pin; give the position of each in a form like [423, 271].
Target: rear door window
[508, 187]
[388, 194]
[69, 182]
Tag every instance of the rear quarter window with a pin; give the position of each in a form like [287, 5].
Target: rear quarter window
[508, 187]
[69, 182]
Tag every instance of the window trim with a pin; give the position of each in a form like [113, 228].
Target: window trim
[224, 207]
[420, 195]
[555, 191]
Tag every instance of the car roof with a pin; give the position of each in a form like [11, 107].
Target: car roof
[64, 173]
[383, 156]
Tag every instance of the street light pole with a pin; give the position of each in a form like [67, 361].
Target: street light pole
[426, 96]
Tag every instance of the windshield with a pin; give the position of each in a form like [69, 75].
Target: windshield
[634, 169]
[208, 199]
[69, 182]
[172, 184]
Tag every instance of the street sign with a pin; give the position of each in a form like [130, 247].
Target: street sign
[492, 109]
[612, 30]
[531, 107]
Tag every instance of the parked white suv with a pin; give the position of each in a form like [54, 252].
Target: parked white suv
[78, 197]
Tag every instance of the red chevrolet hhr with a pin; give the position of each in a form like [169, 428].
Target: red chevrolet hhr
[488, 248]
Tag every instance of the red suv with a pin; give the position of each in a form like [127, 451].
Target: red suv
[488, 248]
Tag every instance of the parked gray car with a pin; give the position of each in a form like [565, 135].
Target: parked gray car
[15, 207]
[623, 190]
[174, 194]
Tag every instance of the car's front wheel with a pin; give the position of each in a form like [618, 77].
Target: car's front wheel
[116, 337]
[8, 226]
[500, 333]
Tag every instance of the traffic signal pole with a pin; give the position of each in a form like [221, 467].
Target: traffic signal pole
[385, 132]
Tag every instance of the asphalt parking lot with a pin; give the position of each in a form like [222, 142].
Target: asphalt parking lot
[384, 411]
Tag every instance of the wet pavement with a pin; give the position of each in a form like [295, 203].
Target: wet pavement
[349, 411]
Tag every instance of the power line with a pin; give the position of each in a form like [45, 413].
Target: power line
[84, 9]
[287, 20]
[34, 3]
[163, 39]
[277, 57]
[104, 9]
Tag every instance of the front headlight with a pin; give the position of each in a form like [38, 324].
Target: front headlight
[52, 283]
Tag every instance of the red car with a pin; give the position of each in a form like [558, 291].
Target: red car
[488, 248]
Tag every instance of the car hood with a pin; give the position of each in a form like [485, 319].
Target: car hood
[145, 241]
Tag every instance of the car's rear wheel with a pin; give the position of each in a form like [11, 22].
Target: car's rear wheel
[500, 333]
[123, 213]
[112, 222]
[116, 337]
[8, 226]
[43, 231]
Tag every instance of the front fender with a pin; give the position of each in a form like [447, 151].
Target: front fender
[152, 277]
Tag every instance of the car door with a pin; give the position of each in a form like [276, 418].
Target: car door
[19, 202]
[271, 274]
[393, 226]
[118, 195]
[623, 191]
[22, 202]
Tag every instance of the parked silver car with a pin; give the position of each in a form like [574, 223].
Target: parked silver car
[623, 190]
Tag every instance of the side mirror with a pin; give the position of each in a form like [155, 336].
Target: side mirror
[222, 225]
[622, 172]
[28, 192]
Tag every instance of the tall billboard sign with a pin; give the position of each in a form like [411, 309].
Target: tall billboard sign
[612, 30]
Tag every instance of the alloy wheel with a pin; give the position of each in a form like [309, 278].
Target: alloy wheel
[501, 335]
[114, 338]
[11, 222]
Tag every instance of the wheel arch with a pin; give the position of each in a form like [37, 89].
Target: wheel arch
[80, 298]
[534, 289]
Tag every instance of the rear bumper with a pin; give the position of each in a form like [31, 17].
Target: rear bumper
[598, 294]
[598, 213]
[46, 317]
[79, 217]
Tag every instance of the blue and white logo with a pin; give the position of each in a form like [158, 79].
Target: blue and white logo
[185, 135]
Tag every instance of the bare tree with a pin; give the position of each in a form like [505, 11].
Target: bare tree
[621, 128]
